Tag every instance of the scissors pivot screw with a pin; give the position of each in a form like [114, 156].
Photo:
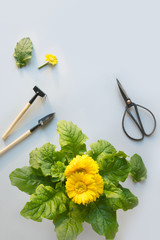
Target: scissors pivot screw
[128, 101]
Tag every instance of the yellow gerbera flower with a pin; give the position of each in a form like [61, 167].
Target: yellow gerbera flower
[50, 59]
[83, 188]
[83, 164]
[99, 183]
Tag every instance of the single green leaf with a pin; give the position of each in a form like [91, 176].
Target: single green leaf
[78, 211]
[60, 185]
[89, 153]
[57, 172]
[60, 156]
[27, 179]
[102, 218]
[138, 169]
[121, 154]
[46, 202]
[71, 138]
[23, 52]
[35, 158]
[131, 199]
[114, 167]
[100, 147]
[112, 191]
[125, 201]
[45, 157]
[69, 224]
[66, 227]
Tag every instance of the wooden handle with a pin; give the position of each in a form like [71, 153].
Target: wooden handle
[6, 134]
[18, 140]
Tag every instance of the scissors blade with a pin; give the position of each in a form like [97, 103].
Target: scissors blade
[122, 91]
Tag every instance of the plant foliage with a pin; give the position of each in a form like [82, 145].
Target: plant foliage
[45, 181]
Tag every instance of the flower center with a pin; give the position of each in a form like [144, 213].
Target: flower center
[80, 187]
[81, 170]
[51, 59]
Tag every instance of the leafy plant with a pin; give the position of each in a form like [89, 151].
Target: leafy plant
[23, 52]
[49, 177]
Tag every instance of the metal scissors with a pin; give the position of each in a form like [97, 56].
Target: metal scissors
[138, 121]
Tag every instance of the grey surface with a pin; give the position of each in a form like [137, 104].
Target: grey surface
[95, 42]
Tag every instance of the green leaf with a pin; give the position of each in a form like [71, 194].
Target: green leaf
[138, 169]
[102, 218]
[60, 186]
[71, 138]
[112, 191]
[78, 211]
[125, 201]
[35, 158]
[121, 154]
[57, 171]
[67, 228]
[69, 224]
[27, 179]
[114, 167]
[45, 203]
[60, 156]
[100, 147]
[23, 52]
[45, 157]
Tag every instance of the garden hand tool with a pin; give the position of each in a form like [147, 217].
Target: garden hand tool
[42, 122]
[38, 92]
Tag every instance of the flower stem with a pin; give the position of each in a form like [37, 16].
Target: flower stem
[43, 65]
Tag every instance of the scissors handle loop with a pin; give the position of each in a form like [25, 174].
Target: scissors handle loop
[137, 122]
